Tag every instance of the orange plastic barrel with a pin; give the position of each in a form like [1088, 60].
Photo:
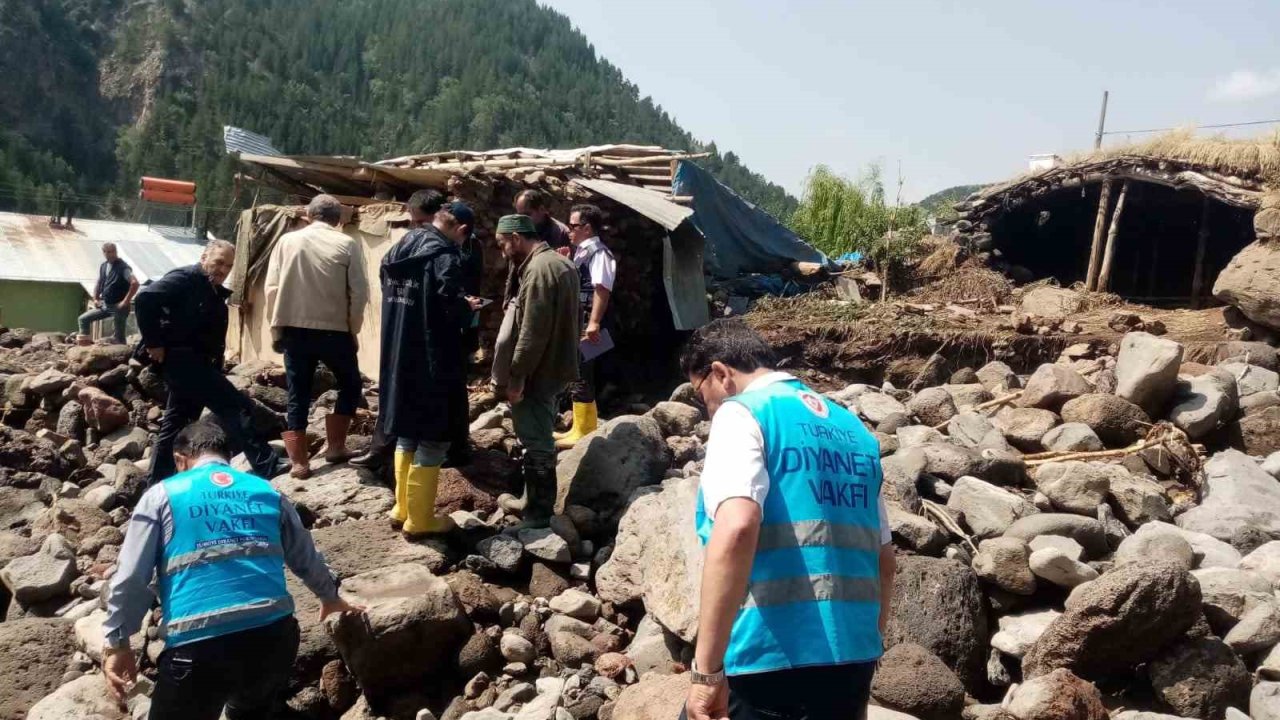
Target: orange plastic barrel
[170, 198]
[166, 185]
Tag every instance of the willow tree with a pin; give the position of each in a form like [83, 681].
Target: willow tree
[841, 215]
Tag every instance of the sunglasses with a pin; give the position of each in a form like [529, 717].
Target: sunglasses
[575, 226]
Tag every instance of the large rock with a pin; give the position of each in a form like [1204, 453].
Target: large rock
[46, 575]
[21, 450]
[1051, 385]
[1074, 486]
[933, 406]
[1051, 303]
[1072, 437]
[676, 418]
[912, 679]
[939, 605]
[1204, 402]
[33, 656]
[18, 508]
[657, 557]
[94, 359]
[1117, 421]
[1024, 427]
[412, 617]
[1096, 633]
[338, 492]
[1264, 701]
[657, 697]
[988, 510]
[1086, 531]
[48, 382]
[1259, 432]
[1258, 629]
[654, 648]
[603, 469]
[1058, 695]
[1146, 545]
[1252, 379]
[1251, 282]
[876, 407]
[1057, 567]
[1002, 562]
[1228, 593]
[974, 430]
[998, 377]
[1019, 632]
[1200, 678]
[83, 698]
[1137, 500]
[1147, 370]
[948, 461]
[1237, 493]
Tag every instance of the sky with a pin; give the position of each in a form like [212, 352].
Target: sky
[952, 92]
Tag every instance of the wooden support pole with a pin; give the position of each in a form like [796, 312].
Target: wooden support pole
[1104, 275]
[1099, 227]
[1197, 280]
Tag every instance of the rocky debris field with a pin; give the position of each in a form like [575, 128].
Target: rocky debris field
[1096, 538]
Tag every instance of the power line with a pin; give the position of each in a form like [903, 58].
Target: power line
[1197, 127]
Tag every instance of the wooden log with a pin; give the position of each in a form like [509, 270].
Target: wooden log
[1099, 224]
[1104, 276]
[1202, 240]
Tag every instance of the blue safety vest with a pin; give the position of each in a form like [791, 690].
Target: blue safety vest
[222, 570]
[814, 592]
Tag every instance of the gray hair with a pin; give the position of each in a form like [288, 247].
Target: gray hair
[108, 246]
[219, 245]
[325, 208]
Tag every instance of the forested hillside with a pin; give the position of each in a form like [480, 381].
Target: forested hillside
[99, 92]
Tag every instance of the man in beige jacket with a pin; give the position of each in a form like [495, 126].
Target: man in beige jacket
[317, 291]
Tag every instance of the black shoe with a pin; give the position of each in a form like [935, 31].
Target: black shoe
[457, 459]
[373, 462]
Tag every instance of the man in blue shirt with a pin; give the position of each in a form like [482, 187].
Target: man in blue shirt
[799, 565]
[217, 540]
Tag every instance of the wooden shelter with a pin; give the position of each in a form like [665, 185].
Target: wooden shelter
[1154, 222]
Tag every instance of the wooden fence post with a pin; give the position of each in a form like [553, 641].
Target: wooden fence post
[1099, 225]
[1197, 280]
[1104, 276]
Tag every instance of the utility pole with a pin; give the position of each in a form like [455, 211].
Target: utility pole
[1102, 122]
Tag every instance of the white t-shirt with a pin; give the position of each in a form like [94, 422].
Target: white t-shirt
[735, 462]
[603, 269]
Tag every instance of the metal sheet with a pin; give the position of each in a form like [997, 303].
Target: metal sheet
[683, 278]
[239, 140]
[31, 250]
[648, 203]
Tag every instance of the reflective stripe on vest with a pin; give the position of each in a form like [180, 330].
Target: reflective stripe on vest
[223, 568]
[814, 592]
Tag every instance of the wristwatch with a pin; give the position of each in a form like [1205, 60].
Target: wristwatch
[699, 678]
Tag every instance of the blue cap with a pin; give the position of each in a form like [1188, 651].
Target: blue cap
[462, 212]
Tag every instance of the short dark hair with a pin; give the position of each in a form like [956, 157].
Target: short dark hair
[536, 199]
[427, 202]
[727, 340]
[589, 214]
[203, 437]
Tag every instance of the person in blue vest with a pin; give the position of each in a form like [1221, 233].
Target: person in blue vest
[217, 540]
[799, 564]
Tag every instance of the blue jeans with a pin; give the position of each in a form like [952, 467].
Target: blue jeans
[428, 453]
[120, 317]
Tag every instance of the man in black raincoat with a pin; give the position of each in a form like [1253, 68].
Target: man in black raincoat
[423, 371]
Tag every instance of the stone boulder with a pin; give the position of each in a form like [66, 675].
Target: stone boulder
[1137, 500]
[1228, 593]
[1086, 531]
[1074, 486]
[94, 359]
[1095, 635]
[33, 656]
[654, 648]
[1116, 421]
[337, 491]
[412, 617]
[974, 430]
[676, 418]
[84, 697]
[45, 575]
[1051, 385]
[1020, 631]
[657, 697]
[1002, 562]
[657, 557]
[1252, 379]
[1251, 282]
[912, 679]
[1058, 695]
[1051, 303]
[1203, 402]
[21, 451]
[48, 382]
[1200, 678]
[938, 604]
[1237, 493]
[997, 376]
[988, 510]
[933, 406]
[1072, 437]
[1023, 427]
[1259, 432]
[1147, 370]
[606, 467]
[1147, 545]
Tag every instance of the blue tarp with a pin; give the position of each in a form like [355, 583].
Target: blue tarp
[740, 237]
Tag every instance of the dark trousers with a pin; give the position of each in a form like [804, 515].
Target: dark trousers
[246, 672]
[583, 390]
[195, 383]
[826, 692]
[304, 350]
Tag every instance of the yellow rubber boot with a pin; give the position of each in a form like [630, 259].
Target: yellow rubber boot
[584, 423]
[400, 511]
[422, 486]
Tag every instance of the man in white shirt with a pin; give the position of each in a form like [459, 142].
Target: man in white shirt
[799, 566]
[597, 270]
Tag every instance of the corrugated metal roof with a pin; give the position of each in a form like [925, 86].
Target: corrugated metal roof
[649, 203]
[239, 140]
[31, 250]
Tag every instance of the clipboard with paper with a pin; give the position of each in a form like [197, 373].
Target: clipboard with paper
[592, 350]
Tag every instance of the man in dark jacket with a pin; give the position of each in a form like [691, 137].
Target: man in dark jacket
[543, 357]
[424, 309]
[183, 321]
[534, 203]
[112, 296]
